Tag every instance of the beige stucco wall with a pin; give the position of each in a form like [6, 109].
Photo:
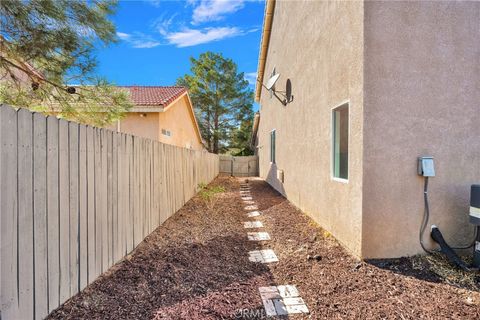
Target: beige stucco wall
[178, 119]
[146, 126]
[422, 67]
[319, 46]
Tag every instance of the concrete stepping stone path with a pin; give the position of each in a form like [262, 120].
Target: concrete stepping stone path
[252, 224]
[258, 236]
[251, 207]
[282, 300]
[247, 198]
[253, 214]
[249, 202]
[262, 256]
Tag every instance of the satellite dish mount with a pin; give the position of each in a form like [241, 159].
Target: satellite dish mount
[284, 97]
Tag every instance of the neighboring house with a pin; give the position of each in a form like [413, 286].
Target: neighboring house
[17, 71]
[375, 84]
[162, 113]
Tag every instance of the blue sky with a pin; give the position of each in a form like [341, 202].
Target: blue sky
[157, 38]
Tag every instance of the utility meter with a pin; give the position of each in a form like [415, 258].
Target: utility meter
[475, 220]
[425, 167]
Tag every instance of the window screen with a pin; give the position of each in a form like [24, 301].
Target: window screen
[272, 146]
[340, 142]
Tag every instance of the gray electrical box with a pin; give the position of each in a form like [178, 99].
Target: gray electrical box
[426, 167]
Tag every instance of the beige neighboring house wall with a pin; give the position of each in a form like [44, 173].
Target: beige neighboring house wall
[142, 124]
[178, 119]
[172, 122]
[410, 74]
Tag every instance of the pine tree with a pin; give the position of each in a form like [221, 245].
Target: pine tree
[47, 45]
[221, 97]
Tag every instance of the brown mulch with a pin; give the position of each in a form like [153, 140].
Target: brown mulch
[195, 266]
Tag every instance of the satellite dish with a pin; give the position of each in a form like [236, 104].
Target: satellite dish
[271, 82]
[288, 91]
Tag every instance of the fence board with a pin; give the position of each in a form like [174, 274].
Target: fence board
[53, 215]
[109, 207]
[156, 183]
[104, 204]
[98, 205]
[73, 145]
[40, 215]
[161, 196]
[143, 187]
[131, 184]
[115, 239]
[83, 208]
[136, 193]
[64, 206]
[148, 193]
[91, 232]
[9, 212]
[25, 215]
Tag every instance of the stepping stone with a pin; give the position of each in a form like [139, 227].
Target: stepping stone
[289, 306]
[263, 256]
[258, 236]
[248, 202]
[253, 214]
[247, 198]
[252, 224]
[282, 300]
[251, 207]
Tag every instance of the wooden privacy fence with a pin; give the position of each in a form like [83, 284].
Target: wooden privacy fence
[76, 199]
[242, 166]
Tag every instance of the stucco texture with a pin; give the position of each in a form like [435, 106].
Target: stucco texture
[318, 46]
[141, 124]
[422, 67]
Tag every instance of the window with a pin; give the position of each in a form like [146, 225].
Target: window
[272, 146]
[166, 133]
[340, 142]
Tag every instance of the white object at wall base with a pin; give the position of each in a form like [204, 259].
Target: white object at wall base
[280, 175]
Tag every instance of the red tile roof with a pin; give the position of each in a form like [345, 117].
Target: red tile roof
[154, 95]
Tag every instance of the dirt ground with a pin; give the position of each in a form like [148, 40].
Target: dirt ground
[195, 266]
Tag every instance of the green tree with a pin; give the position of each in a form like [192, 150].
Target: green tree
[241, 137]
[221, 97]
[46, 44]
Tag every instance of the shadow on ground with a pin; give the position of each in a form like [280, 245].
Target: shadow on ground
[432, 268]
[155, 279]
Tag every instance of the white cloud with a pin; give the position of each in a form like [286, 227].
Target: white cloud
[251, 77]
[192, 37]
[138, 40]
[123, 36]
[191, 2]
[162, 24]
[213, 10]
[155, 3]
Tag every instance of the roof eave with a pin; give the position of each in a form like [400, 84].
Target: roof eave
[266, 30]
[146, 109]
